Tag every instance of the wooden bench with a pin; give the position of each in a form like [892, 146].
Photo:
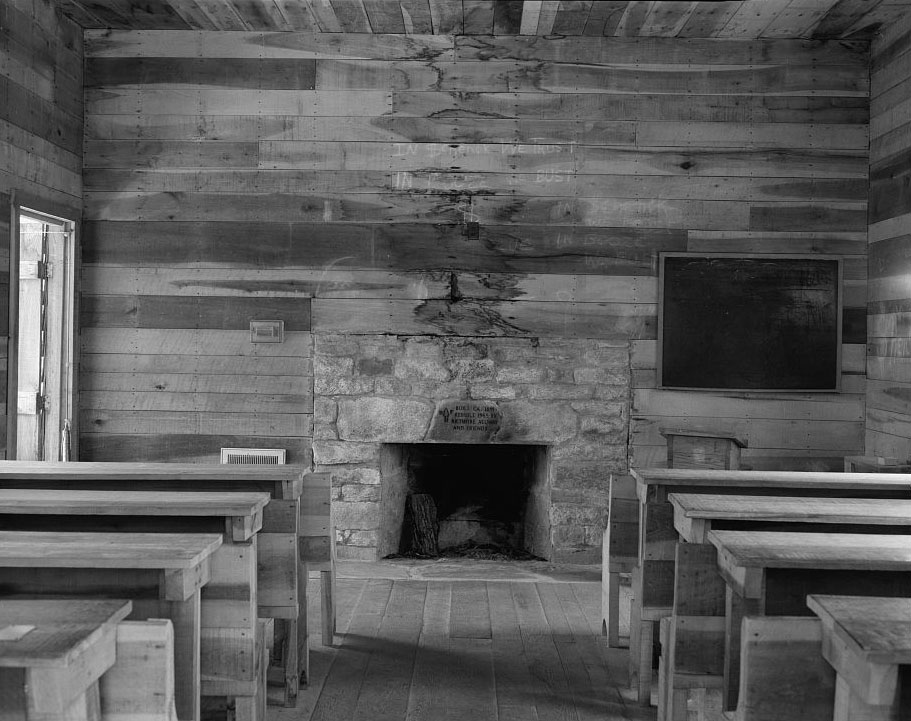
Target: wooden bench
[653, 582]
[868, 643]
[282, 572]
[229, 665]
[771, 574]
[52, 656]
[161, 573]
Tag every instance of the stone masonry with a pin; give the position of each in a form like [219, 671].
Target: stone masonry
[571, 395]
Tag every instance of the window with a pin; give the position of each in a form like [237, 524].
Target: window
[42, 336]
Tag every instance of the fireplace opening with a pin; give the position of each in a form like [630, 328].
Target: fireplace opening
[481, 500]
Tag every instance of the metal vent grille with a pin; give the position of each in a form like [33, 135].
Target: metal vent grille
[254, 456]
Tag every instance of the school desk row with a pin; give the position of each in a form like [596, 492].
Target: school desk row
[81, 660]
[215, 549]
[668, 505]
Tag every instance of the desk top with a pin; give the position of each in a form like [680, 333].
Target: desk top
[860, 511]
[877, 629]
[823, 551]
[772, 479]
[42, 633]
[130, 503]
[163, 551]
[19, 470]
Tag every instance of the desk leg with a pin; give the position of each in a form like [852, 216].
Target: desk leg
[849, 706]
[610, 608]
[185, 617]
[17, 700]
[327, 606]
[646, 644]
[736, 607]
[635, 616]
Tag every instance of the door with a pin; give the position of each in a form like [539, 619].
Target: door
[42, 338]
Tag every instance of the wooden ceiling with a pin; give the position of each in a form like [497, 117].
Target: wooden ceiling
[819, 19]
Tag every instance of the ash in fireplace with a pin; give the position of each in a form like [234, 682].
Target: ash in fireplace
[477, 551]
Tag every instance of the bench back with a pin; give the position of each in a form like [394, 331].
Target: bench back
[782, 672]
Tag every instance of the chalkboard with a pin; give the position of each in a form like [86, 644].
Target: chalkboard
[749, 322]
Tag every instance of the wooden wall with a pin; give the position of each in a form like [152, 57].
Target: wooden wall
[41, 119]
[332, 181]
[889, 307]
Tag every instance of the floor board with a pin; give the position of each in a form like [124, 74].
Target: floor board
[472, 642]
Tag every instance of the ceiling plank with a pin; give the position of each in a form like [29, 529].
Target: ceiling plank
[260, 15]
[752, 18]
[416, 14]
[548, 14]
[351, 15]
[193, 15]
[325, 16]
[843, 16]
[446, 16]
[797, 19]
[113, 14]
[604, 18]
[666, 18]
[507, 17]
[155, 15]
[385, 16]
[531, 11]
[571, 17]
[708, 18]
[633, 19]
[881, 20]
[298, 15]
[477, 17]
[79, 14]
[222, 14]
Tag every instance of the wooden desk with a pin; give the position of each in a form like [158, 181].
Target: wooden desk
[240, 514]
[282, 577]
[653, 581]
[771, 573]
[866, 640]
[697, 514]
[52, 655]
[229, 663]
[162, 573]
[697, 623]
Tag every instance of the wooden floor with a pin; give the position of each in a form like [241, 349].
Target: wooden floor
[440, 643]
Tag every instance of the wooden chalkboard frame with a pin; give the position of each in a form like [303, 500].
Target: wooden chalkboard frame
[835, 387]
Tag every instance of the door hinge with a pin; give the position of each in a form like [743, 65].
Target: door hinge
[36, 269]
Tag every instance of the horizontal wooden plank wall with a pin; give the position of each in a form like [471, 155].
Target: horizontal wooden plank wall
[889, 309]
[41, 131]
[332, 181]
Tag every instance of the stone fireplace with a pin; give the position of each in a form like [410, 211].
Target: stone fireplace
[547, 419]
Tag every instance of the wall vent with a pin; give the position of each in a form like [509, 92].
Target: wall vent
[254, 456]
